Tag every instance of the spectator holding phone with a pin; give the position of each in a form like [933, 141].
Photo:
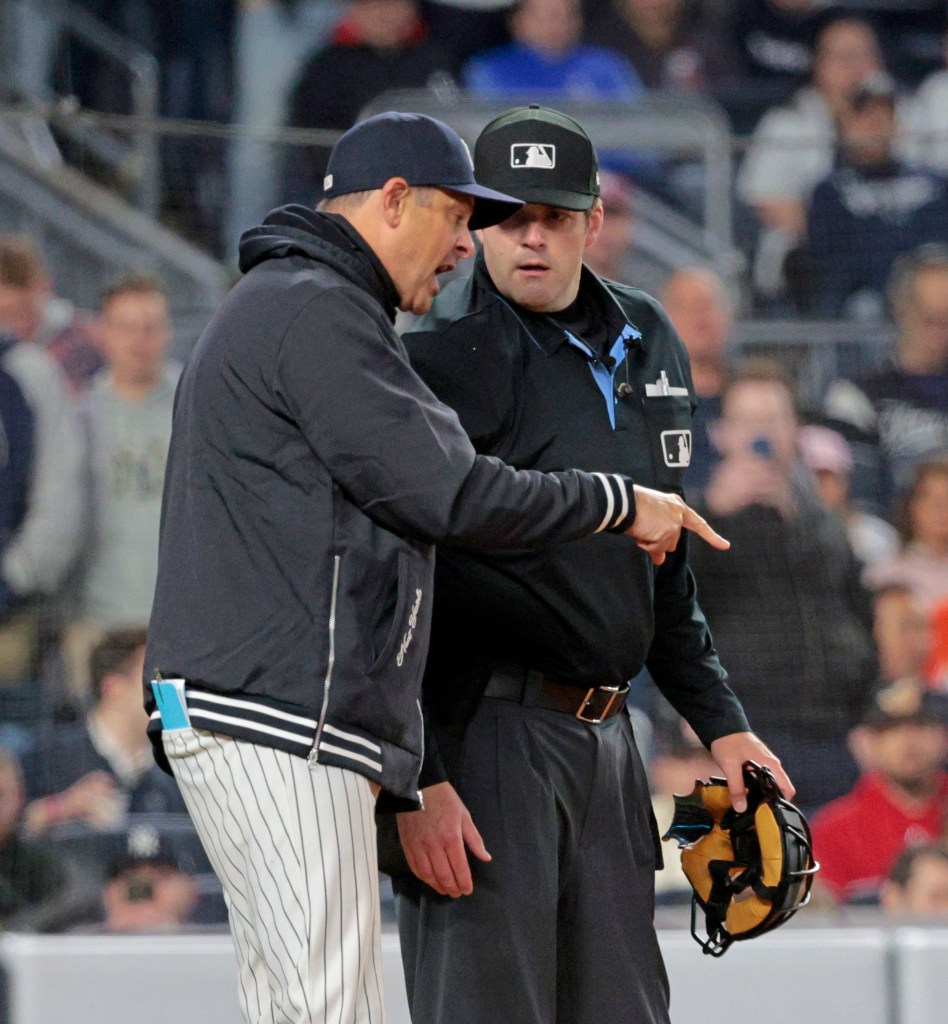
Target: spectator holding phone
[757, 444]
[789, 616]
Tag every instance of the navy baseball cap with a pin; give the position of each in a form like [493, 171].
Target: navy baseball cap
[539, 155]
[420, 149]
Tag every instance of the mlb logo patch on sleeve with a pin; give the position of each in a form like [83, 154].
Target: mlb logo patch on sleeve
[533, 154]
[676, 447]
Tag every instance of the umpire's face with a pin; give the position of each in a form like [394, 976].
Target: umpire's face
[535, 257]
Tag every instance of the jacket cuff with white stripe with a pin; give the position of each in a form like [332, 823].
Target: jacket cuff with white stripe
[618, 502]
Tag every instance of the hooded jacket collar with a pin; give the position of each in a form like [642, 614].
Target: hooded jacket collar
[326, 237]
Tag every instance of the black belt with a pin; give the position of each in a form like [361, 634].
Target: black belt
[535, 690]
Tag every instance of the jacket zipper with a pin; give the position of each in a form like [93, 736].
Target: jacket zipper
[421, 715]
[313, 756]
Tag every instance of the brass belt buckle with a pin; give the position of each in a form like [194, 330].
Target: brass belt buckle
[613, 691]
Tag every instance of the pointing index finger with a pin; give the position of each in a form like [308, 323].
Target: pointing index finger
[692, 521]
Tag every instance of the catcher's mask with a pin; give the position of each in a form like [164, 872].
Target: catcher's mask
[750, 872]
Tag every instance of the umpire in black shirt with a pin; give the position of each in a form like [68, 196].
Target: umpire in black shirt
[531, 763]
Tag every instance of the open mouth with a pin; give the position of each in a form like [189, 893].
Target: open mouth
[445, 268]
[533, 268]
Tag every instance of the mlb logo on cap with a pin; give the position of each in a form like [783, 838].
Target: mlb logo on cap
[539, 155]
[676, 447]
[532, 154]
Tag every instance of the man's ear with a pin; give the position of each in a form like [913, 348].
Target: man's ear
[596, 216]
[393, 198]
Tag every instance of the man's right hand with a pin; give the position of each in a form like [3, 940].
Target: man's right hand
[659, 520]
[434, 841]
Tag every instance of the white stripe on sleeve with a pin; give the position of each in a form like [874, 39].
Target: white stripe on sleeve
[610, 501]
[623, 490]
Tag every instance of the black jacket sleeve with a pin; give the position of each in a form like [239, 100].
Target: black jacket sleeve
[479, 381]
[682, 659]
[401, 454]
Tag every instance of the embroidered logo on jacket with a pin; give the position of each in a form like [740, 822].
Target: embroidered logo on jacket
[676, 447]
[410, 632]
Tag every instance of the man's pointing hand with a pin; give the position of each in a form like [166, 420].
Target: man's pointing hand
[659, 520]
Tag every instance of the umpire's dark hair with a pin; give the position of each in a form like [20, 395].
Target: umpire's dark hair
[115, 652]
[134, 283]
[901, 871]
[931, 256]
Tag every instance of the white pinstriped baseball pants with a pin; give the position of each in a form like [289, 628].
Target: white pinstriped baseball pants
[294, 848]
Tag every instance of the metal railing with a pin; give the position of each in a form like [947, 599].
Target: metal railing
[134, 158]
[90, 235]
[816, 352]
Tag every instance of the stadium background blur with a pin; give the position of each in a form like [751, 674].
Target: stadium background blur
[773, 170]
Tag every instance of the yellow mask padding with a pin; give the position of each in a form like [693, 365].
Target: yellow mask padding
[771, 845]
[716, 845]
[717, 800]
[747, 910]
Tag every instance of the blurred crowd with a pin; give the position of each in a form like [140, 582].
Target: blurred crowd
[838, 111]
[92, 833]
[831, 610]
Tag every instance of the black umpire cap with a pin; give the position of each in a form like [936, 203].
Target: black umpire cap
[539, 155]
[418, 148]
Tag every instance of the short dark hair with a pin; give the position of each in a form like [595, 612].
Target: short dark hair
[901, 871]
[115, 652]
[135, 283]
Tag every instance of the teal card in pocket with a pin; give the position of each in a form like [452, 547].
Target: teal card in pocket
[169, 696]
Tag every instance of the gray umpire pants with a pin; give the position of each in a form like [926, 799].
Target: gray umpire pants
[559, 928]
